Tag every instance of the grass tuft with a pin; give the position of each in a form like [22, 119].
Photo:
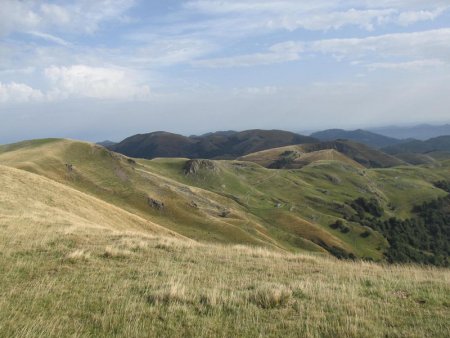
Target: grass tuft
[113, 252]
[173, 292]
[271, 296]
[79, 255]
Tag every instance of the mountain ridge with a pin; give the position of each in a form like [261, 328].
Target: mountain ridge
[419, 132]
[217, 145]
[436, 144]
[359, 135]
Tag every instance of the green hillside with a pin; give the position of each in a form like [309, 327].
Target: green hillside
[234, 201]
[297, 156]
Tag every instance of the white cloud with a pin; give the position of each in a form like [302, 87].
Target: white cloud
[79, 16]
[408, 65]
[278, 53]
[87, 15]
[168, 51]
[25, 70]
[366, 19]
[17, 15]
[49, 37]
[95, 82]
[265, 90]
[426, 44]
[79, 81]
[318, 15]
[55, 14]
[19, 92]
[411, 17]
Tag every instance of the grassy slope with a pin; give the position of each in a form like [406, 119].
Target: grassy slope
[352, 153]
[31, 203]
[314, 193]
[287, 209]
[73, 266]
[268, 157]
[113, 178]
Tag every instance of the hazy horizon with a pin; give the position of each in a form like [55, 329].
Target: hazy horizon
[96, 70]
[375, 129]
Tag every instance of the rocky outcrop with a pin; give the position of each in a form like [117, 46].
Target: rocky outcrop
[69, 167]
[194, 166]
[155, 204]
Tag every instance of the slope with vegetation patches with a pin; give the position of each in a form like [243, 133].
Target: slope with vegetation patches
[348, 152]
[233, 201]
[295, 157]
[435, 148]
[123, 182]
[93, 282]
[360, 153]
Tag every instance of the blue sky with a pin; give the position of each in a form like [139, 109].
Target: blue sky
[107, 69]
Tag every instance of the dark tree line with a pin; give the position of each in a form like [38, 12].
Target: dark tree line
[423, 239]
[444, 185]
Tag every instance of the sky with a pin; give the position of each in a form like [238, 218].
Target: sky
[107, 69]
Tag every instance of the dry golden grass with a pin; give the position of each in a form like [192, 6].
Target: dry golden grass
[28, 200]
[166, 287]
[303, 157]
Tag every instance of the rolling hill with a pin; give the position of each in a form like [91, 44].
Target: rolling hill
[235, 201]
[361, 136]
[360, 153]
[219, 145]
[295, 157]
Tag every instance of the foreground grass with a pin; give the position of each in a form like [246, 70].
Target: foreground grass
[107, 284]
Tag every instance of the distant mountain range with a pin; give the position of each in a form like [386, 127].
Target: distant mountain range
[107, 143]
[218, 145]
[270, 148]
[362, 136]
[365, 147]
[437, 144]
[420, 132]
